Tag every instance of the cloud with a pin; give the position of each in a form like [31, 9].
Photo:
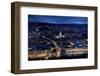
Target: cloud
[58, 19]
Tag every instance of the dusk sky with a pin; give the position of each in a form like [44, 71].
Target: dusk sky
[58, 19]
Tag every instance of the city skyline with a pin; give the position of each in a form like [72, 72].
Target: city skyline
[57, 37]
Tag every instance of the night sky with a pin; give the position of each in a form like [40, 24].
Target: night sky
[58, 19]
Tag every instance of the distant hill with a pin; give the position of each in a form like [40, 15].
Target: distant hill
[43, 23]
